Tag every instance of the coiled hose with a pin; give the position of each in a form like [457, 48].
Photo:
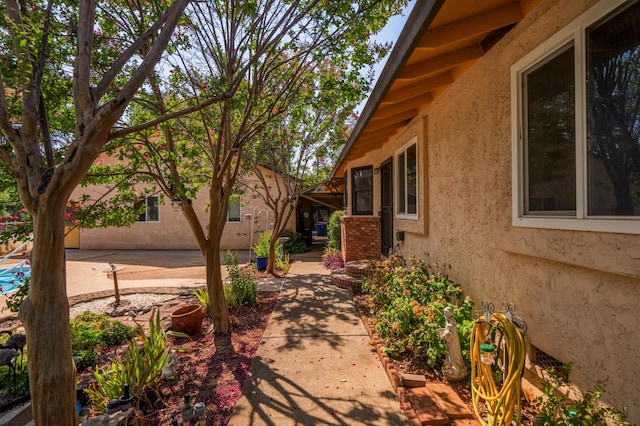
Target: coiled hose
[504, 402]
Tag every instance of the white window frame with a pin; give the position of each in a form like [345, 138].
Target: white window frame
[239, 214]
[574, 32]
[146, 210]
[396, 181]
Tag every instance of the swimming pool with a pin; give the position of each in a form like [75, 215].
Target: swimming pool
[12, 277]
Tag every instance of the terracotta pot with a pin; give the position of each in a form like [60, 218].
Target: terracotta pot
[187, 319]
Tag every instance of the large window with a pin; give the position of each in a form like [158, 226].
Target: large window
[577, 125]
[362, 190]
[407, 180]
[151, 211]
[233, 211]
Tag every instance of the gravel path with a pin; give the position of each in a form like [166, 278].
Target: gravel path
[134, 302]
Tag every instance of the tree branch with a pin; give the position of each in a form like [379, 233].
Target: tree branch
[82, 65]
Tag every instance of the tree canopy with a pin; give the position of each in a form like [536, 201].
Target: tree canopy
[79, 78]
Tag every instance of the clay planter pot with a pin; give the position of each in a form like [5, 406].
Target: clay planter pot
[187, 319]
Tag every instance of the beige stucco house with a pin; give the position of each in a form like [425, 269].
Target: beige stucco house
[502, 142]
[163, 226]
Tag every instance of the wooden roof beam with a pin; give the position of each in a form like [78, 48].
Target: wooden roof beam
[472, 26]
[362, 151]
[375, 142]
[394, 120]
[390, 109]
[423, 86]
[375, 136]
[440, 63]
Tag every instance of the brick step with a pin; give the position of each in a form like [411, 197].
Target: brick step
[340, 279]
[438, 404]
[450, 401]
[359, 268]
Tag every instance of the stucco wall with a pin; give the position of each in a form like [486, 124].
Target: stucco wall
[579, 292]
[172, 232]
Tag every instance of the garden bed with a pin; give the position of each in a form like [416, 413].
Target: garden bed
[210, 368]
[407, 363]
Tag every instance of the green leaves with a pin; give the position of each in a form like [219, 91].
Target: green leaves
[243, 288]
[409, 305]
[140, 367]
[91, 332]
[555, 409]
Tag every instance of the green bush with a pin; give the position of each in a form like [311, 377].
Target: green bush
[333, 230]
[90, 331]
[243, 289]
[295, 243]
[409, 304]
[556, 410]
[261, 247]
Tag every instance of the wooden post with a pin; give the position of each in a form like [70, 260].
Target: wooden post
[114, 270]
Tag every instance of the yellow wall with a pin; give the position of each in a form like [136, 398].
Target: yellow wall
[579, 292]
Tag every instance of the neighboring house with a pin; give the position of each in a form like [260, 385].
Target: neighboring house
[502, 141]
[162, 226]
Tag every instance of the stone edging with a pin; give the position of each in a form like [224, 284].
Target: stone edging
[392, 373]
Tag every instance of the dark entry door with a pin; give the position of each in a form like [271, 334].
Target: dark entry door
[386, 206]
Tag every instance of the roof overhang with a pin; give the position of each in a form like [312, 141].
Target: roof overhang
[439, 42]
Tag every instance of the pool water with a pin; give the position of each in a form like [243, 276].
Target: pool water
[12, 277]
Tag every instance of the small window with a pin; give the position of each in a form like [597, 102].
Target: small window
[407, 180]
[577, 125]
[362, 190]
[233, 211]
[151, 211]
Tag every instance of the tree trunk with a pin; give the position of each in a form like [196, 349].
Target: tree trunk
[215, 287]
[45, 315]
[271, 260]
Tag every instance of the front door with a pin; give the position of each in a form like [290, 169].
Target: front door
[386, 207]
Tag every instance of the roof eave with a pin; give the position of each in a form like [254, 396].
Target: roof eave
[421, 16]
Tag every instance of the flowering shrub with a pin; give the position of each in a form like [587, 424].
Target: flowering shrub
[408, 304]
[15, 227]
[332, 259]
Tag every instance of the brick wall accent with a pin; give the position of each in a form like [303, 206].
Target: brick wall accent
[360, 237]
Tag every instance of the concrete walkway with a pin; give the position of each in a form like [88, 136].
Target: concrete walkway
[315, 365]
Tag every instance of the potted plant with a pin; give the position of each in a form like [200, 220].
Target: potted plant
[261, 249]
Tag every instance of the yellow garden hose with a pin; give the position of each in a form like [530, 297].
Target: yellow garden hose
[502, 402]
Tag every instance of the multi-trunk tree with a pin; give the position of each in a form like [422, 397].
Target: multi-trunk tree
[64, 84]
[69, 72]
[274, 49]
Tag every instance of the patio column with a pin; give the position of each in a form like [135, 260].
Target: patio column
[360, 238]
